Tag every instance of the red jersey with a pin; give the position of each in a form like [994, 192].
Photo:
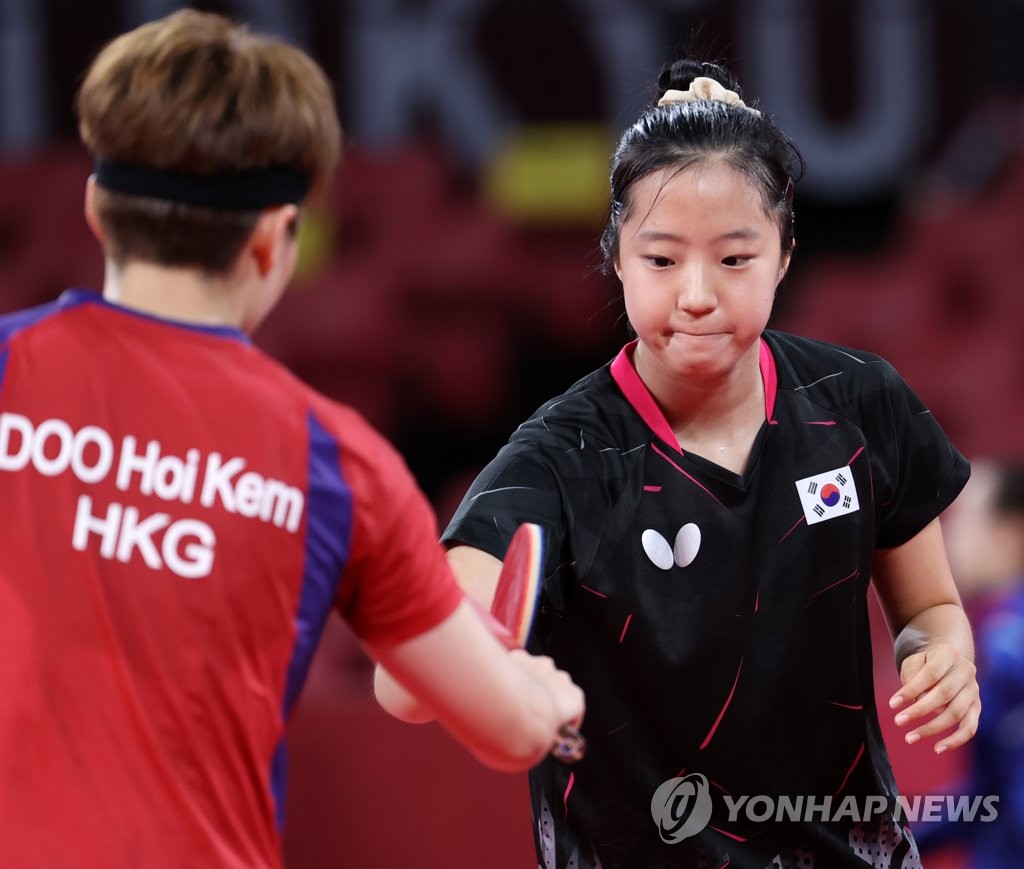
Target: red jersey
[180, 514]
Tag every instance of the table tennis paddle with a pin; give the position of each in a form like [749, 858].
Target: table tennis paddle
[512, 610]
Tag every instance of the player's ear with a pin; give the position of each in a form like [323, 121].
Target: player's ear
[274, 231]
[91, 217]
[787, 258]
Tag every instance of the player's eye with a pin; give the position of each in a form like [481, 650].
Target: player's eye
[734, 261]
[659, 262]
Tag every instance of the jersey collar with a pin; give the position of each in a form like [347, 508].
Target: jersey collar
[636, 392]
[76, 297]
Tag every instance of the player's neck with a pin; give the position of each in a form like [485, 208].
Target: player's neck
[718, 420]
[705, 404]
[726, 437]
[186, 295]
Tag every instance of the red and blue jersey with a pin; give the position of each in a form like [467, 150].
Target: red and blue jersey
[180, 515]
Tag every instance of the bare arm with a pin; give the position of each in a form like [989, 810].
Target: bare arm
[933, 641]
[494, 686]
[505, 707]
[477, 572]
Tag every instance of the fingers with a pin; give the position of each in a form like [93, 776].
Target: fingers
[570, 704]
[965, 732]
[940, 683]
[962, 714]
[569, 700]
[924, 670]
[567, 744]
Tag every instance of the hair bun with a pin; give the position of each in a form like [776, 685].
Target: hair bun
[680, 75]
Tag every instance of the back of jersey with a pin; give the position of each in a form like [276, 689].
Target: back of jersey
[156, 483]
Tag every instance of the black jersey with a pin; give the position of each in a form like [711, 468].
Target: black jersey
[719, 622]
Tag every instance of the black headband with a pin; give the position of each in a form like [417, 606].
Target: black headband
[242, 191]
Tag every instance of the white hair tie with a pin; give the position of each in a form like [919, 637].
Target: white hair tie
[704, 88]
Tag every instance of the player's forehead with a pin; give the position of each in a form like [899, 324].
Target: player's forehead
[710, 200]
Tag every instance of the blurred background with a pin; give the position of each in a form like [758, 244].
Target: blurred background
[451, 281]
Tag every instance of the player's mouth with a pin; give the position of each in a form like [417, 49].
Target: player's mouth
[684, 333]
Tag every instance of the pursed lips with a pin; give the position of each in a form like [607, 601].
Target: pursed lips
[694, 334]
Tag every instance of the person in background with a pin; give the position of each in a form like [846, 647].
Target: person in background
[985, 540]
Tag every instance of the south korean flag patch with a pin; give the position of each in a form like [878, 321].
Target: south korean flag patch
[828, 495]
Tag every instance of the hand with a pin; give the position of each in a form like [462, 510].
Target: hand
[938, 681]
[567, 695]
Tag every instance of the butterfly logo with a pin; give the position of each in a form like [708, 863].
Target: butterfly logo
[681, 553]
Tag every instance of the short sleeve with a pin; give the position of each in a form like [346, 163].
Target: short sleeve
[921, 471]
[517, 486]
[396, 583]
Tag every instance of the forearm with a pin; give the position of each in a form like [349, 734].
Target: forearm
[396, 700]
[932, 640]
[942, 623]
[505, 707]
[477, 573]
[513, 725]
[525, 735]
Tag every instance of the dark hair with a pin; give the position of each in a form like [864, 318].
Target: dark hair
[196, 94]
[684, 134]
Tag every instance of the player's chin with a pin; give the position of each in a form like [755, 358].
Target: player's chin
[711, 366]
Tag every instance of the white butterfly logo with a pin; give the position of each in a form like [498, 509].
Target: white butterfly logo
[663, 555]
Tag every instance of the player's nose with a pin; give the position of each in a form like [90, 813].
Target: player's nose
[694, 291]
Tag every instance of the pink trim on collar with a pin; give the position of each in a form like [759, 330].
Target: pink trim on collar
[770, 377]
[637, 394]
